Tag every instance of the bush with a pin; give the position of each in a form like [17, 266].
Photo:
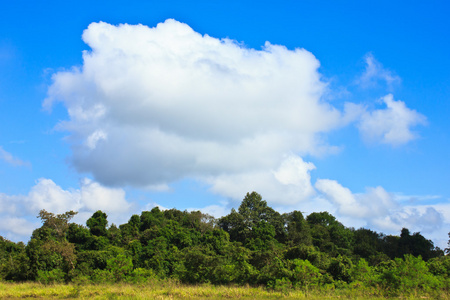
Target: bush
[408, 275]
[304, 274]
[102, 276]
[81, 279]
[340, 268]
[48, 277]
[140, 275]
[440, 266]
[283, 285]
[120, 266]
[363, 273]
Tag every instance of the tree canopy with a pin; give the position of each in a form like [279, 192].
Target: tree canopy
[252, 245]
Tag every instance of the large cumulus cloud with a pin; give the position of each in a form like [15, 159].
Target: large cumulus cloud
[150, 106]
[154, 105]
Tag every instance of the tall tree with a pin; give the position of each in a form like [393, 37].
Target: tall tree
[54, 226]
[254, 210]
[49, 248]
[97, 223]
[297, 229]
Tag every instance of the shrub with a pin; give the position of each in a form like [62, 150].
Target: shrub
[102, 276]
[120, 266]
[283, 285]
[140, 275]
[48, 277]
[305, 274]
[407, 275]
[362, 272]
[340, 268]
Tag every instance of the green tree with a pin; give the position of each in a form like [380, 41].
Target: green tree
[270, 264]
[80, 236]
[114, 235]
[90, 260]
[120, 266]
[297, 229]
[390, 246]
[130, 230]
[304, 274]
[367, 243]
[417, 245]
[196, 265]
[13, 261]
[317, 258]
[97, 223]
[340, 268]
[217, 239]
[233, 224]
[363, 273]
[149, 219]
[408, 275]
[174, 215]
[240, 225]
[440, 266]
[199, 221]
[49, 248]
[253, 209]
[330, 235]
[54, 226]
[262, 237]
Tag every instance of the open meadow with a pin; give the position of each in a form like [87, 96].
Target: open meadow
[173, 290]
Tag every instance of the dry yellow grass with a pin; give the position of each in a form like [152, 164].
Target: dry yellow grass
[170, 290]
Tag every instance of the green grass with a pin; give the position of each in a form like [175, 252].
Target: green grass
[173, 290]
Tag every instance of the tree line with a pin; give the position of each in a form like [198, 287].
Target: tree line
[252, 245]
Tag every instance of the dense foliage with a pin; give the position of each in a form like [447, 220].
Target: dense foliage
[254, 245]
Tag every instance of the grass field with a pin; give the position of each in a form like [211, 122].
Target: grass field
[173, 290]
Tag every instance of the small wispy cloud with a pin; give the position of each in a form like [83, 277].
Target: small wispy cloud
[375, 74]
[10, 159]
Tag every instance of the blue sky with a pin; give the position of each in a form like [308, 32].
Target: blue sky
[317, 105]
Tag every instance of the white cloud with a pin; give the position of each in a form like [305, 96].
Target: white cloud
[385, 212]
[375, 202]
[10, 159]
[16, 226]
[216, 211]
[289, 184]
[94, 138]
[427, 220]
[341, 196]
[96, 197]
[151, 205]
[8, 204]
[391, 125]
[376, 74]
[17, 210]
[91, 196]
[153, 105]
[150, 106]
[51, 197]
